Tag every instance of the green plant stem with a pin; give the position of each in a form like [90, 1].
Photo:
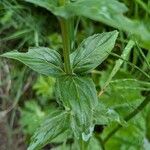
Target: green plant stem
[65, 28]
[83, 145]
[128, 117]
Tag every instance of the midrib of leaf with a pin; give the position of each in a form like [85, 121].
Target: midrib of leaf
[50, 63]
[53, 57]
[40, 144]
[76, 88]
[87, 46]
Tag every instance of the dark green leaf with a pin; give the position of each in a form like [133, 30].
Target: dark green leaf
[111, 13]
[106, 11]
[78, 95]
[43, 60]
[93, 51]
[56, 124]
[52, 6]
[48, 4]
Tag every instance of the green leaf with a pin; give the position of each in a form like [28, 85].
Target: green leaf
[56, 124]
[123, 92]
[48, 4]
[105, 11]
[104, 116]
[53, 6]
[119, 62]
[125, 140]
[43, 60]
[93, 51]
[78, 95]
[111, 13]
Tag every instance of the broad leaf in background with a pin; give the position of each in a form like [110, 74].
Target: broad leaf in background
[106, 11]
[53, 126]
[98, 7]
[93, 51]
[43, 60]
[78, 94]
[118, 63]
[123, 92]
[111, 13]
[132, 136]
[51, 5]
[104, 116]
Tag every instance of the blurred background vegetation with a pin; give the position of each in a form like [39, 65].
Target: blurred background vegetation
[26, 98]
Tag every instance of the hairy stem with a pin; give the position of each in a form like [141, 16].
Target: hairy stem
[128, 117]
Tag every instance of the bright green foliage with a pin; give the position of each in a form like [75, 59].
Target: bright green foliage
[31, 113]
[93, 51]
[55, 124]
[55, 41]
[43, 60]
[78, 95]
[44, 86]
